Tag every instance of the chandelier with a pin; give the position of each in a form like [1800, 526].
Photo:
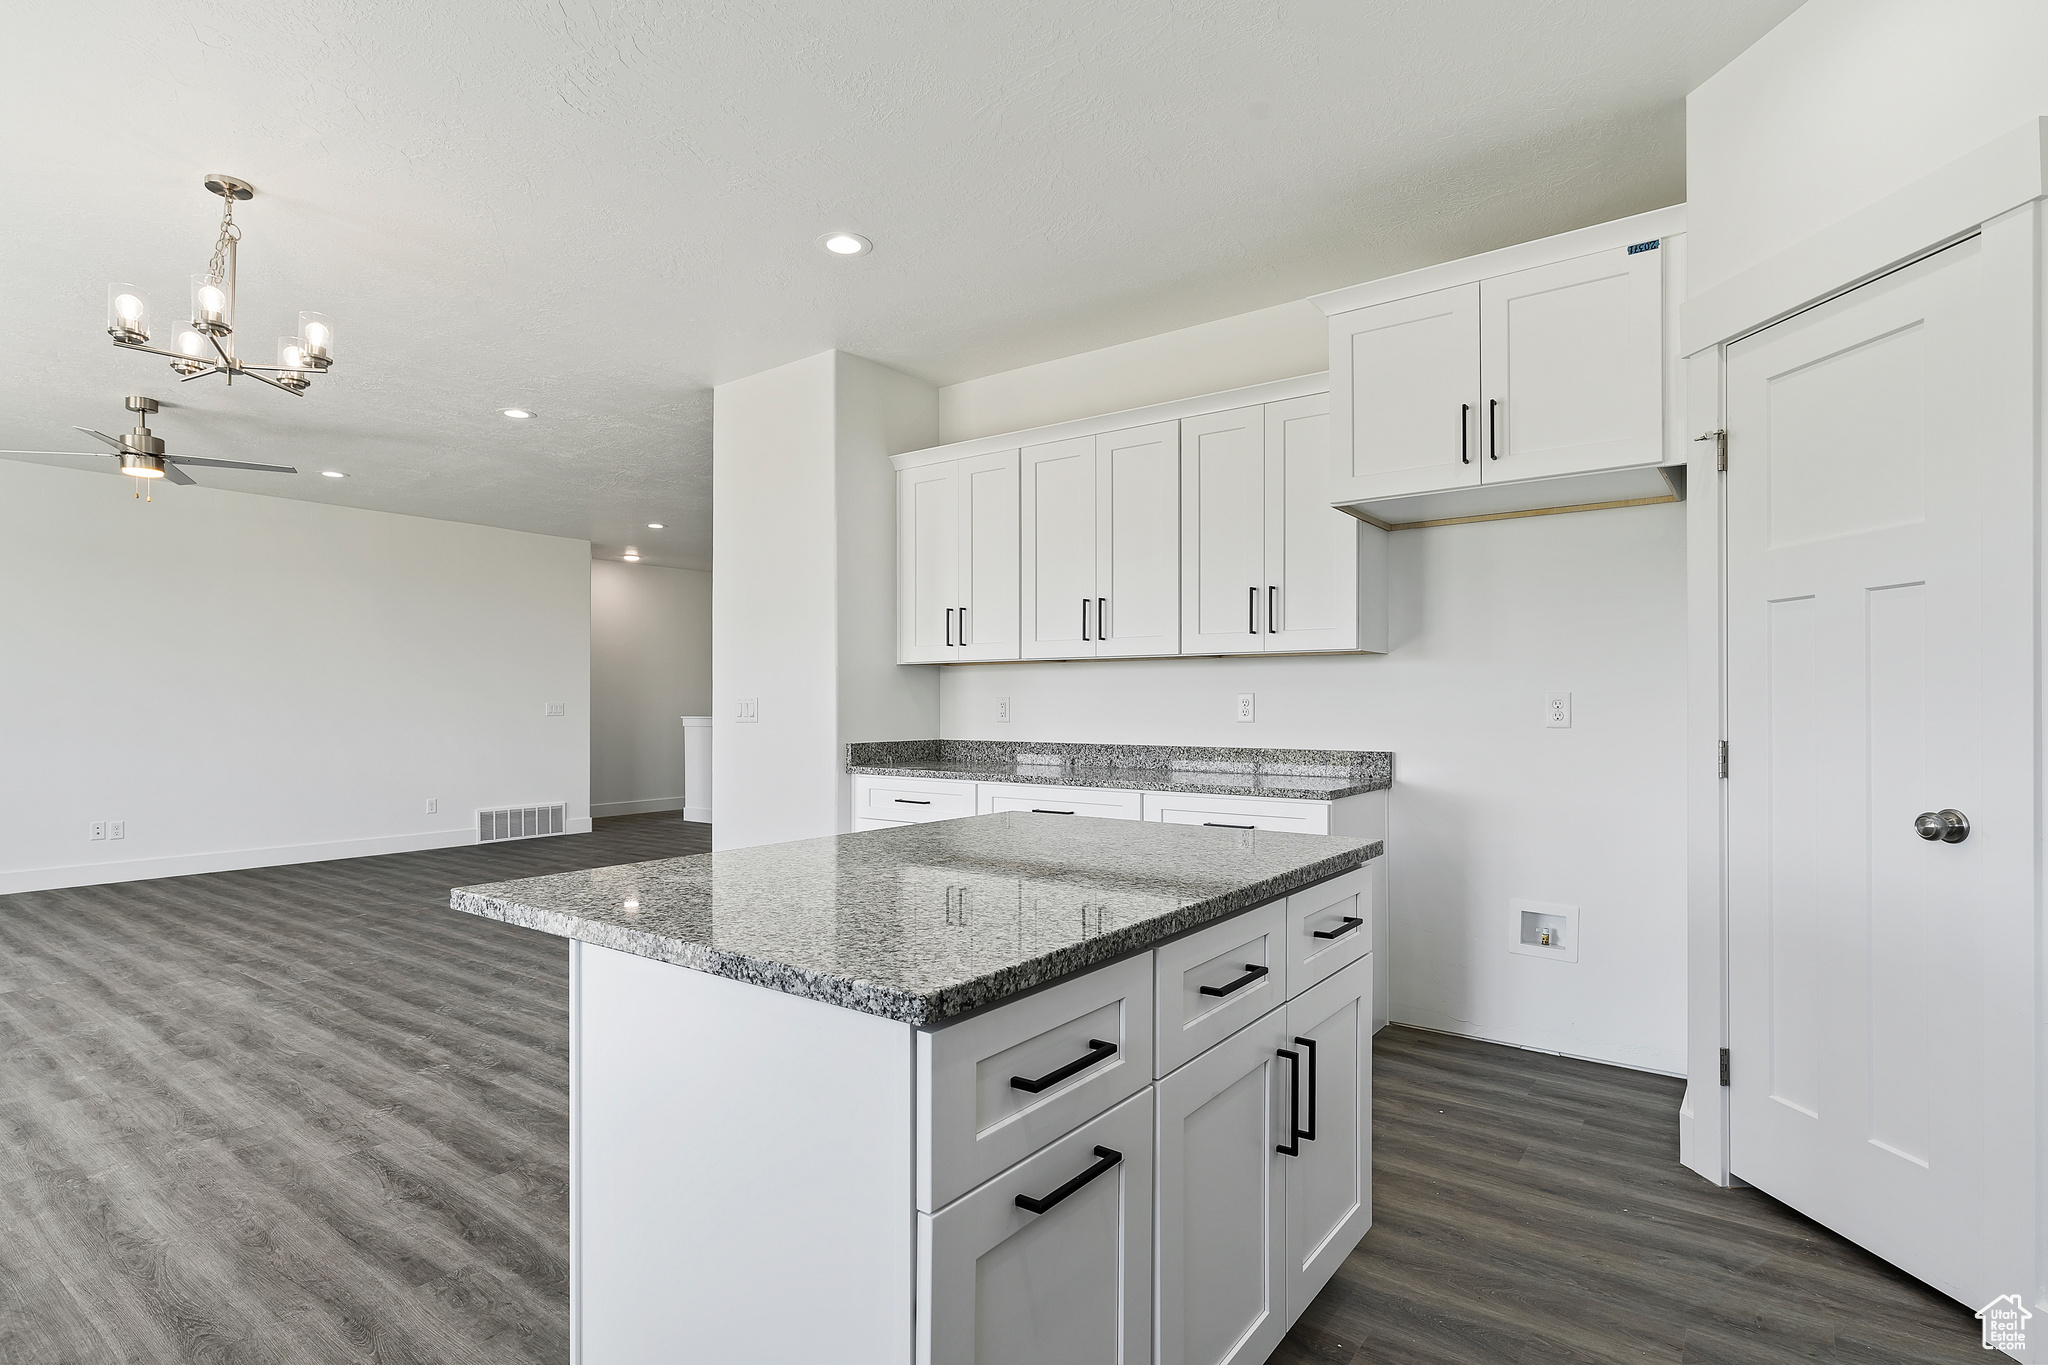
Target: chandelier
[206, 345]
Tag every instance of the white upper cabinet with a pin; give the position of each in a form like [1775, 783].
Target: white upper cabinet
[1407, 374]
[1570, 358]
[1101, 545]
[956, 554]
[1059, 549]
[1223, 531]
[1531, 378]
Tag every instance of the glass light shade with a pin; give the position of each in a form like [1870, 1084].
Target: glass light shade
[292, 363]
[316, 338]
[209, 305]
[127, 313]
[194, 345]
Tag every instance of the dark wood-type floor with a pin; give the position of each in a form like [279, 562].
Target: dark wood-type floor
[308, 1115]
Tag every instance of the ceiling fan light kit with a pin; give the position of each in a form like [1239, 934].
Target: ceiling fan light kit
[142, 456]
[207, 343]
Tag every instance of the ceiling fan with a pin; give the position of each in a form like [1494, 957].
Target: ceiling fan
[141, 453]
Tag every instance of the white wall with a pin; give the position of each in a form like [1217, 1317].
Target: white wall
[803, 589]
[247, 681]
[650, 663]
[1844, 103]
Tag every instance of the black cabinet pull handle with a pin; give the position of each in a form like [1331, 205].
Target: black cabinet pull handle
[1251, 613]
[1041, 810]
[1218, 824]
[1272, 610]
[1084, 618]
[949, 627]
[1097, 1051]
[1344, 926]
[1252, 972]
[1309, 1132]
[1492, 440]
[1292, 1147]
[1109, 1157]
[1464, 433]
[1101, 618]
[906, 801]
[963, 625]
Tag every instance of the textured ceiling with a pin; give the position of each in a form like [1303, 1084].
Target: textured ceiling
[599, 210]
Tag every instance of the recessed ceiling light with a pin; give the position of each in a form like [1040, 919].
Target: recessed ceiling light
[520, 414]
[632, 555]
[846, 244]
[332, 474]
[654, 526]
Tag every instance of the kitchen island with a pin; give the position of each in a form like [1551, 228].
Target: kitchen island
[937, 1092]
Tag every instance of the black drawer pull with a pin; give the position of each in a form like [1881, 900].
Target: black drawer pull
[1292, 1147]
[906, 801]
[1109, 1157]
[1041, 810]
[949, 627]
[1218, 824]
[1252, 972]
[1097, 1051]
[1345, 926]
[1309, 1132]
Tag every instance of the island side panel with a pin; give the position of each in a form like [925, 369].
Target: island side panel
[1367, 816]
[741, 1166]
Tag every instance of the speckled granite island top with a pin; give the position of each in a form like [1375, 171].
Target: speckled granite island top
[924, 922]
[1294, 774]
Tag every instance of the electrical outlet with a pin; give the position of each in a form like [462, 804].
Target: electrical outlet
[99, 830]
[117, 829]
[433, 805]
[558, 708]
[1244, 706]
[1557, 710]
[1002, 710]
[750, 712]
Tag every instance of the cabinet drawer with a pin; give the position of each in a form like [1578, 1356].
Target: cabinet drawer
[1239, 812]
[1329, 926]
[991, 797]
[1071, 1283]
[974, 1118]
[911, 800]
[1212, 983]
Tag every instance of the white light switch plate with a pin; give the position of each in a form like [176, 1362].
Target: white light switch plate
[557, 708]
[750, 711]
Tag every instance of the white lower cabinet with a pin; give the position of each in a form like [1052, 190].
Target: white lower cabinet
[1049, 1261]
[1329, 1185]
[1222, 1200]
[1106, 802]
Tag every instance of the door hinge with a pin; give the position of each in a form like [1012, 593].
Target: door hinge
[1724, 758]
[1720, 439]
[1724, 1066]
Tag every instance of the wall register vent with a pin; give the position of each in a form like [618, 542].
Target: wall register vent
[520, 822]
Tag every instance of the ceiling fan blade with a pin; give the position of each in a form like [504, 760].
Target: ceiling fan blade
[177, 475]
[100, 435]
[229, 464]
[88, 454]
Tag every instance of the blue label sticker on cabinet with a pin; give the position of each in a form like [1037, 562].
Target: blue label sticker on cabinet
[1643, 246]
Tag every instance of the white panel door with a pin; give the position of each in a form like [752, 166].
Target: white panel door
[1059, 536]
[1137, 539]
[1312, 549]
[1064, 1277]
[1224, 525]
[927, 562]
[1404, 384]
[1329, 1185]
[1571, 361]
[987, 625]
[1222, 1200]
[1862, 480]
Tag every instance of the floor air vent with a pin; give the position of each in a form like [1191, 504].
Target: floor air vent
[520, 822]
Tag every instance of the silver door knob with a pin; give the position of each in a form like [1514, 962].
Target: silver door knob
[1949, 826]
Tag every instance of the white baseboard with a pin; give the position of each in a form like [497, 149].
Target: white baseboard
[600, 809]
[231, 860]
[1558, 1045]
[700, 814]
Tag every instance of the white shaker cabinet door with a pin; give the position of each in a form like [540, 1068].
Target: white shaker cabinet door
[1404, 388]
[1066, 1276]
[1137, 539]
[1329, 1185]
[1059, 534]
[1224, 522]
[927, 563]
[1222, 1118]
[1313, 551]
[988, 520]
[1571, 360]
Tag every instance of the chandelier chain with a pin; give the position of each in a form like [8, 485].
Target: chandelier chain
[217, 268]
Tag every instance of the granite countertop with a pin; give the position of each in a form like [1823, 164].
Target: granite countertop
[923, 923]
[1292, 774]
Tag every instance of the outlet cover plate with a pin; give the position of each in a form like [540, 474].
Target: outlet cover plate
[1557, 710]
[1245, 708]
